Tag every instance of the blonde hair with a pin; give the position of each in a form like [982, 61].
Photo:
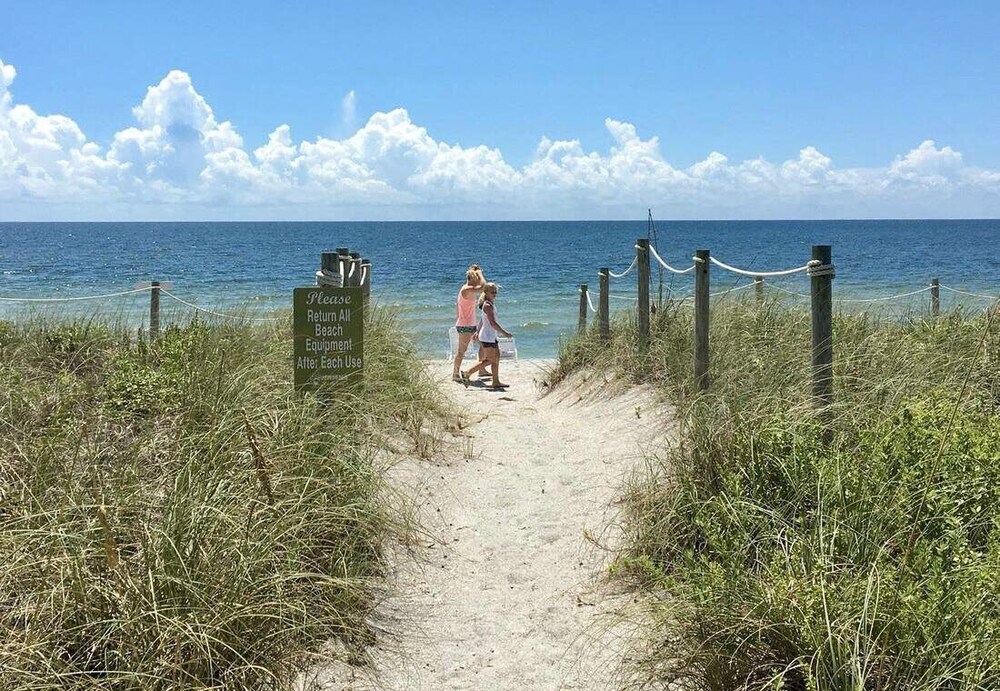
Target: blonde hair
[473, 276]
[487, 288]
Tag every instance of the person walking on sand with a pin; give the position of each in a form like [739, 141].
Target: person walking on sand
[465, 315]
[488, 333]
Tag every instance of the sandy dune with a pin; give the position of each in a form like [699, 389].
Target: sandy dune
[507, 591]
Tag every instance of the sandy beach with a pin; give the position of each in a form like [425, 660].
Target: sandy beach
[507, 591]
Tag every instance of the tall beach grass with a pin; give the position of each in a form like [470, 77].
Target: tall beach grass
[174, 516]
[783, 559]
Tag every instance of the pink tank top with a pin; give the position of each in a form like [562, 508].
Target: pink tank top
[466, 310]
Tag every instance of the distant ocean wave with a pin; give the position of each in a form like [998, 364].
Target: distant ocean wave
[530, 326]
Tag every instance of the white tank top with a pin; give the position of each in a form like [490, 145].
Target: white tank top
[487, 334]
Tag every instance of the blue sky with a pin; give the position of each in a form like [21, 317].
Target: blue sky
[864, 84]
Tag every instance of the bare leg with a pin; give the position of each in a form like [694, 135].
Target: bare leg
[463, 345]
[484, 361]
[494, 358]
[485, 372]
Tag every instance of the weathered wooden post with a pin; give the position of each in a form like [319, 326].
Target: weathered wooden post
[821, 274]
[642, 256]
[936, 297]
[355, 270]
[603, 316]
[344, 264]
[758, 289]
[366, 279]
[154, 310]
[701, 316]
[581, 324]
[329, 271]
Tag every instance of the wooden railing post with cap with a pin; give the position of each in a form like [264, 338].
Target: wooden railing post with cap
[154, 310]
[642, 257]
[355, 269]
[936, 297]
[701, 317]
[758, 289]
[603, 317]
[821, 279]
[330, 264]
[581, 325]
[366, 279]
[344, 263]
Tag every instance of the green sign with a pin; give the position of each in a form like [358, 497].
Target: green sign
[328, 335]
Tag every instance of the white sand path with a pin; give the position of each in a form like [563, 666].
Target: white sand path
[508, 592]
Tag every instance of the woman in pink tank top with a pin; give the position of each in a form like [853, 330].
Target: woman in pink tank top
[465, 315]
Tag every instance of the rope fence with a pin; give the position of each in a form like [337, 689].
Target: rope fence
[820, 271]
[219, 314]
[338, 269]
[625, 272]
[78, 298]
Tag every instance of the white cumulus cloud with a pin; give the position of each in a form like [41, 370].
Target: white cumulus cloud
[178, 159]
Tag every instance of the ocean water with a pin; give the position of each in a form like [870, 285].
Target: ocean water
[253, 267]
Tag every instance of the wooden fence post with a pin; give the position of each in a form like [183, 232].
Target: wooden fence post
[821, 276]
[936, 297]
[701, 317]
[758, 289]
[366, 279]
[154, 310]
[603, 311]
[344, 264]
[581, 324]
[329, 262]
[355, 269]
[642, 308]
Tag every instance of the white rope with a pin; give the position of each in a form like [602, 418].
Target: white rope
[666, 266]
[879, 299]
[812, 263]
[364, 274]
[790, 292]
[731, 290]
[625, 272]
[220, 314]
[589, 301]
[351, 272]
[816, 268]
[975, 295]
[888, 297]
[86, 297]
[329, 279]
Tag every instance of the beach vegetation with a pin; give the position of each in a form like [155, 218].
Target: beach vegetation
[173, 515]
[786, 547]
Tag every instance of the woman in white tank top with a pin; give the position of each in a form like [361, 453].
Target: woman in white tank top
[489, 329]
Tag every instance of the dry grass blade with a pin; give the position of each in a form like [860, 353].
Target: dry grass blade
[260, 465]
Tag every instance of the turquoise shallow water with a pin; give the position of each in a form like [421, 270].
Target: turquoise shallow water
[418, 266]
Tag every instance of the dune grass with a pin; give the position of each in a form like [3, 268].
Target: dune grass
[173, 515]
[781, 559]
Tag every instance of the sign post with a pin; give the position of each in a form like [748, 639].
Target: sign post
[329, 336]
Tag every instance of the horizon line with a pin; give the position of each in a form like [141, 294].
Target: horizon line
[574, 220]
